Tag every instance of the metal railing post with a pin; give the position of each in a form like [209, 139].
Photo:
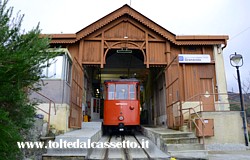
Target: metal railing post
[49, 112]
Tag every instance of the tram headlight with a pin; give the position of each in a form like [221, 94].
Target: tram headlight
[121, 118]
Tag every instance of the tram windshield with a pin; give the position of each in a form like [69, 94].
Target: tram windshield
[121, 92]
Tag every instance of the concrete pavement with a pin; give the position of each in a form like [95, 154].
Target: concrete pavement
[229, 155]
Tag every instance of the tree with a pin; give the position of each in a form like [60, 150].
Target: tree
[21, 57]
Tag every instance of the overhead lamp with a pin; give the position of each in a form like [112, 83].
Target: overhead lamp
[236, 60]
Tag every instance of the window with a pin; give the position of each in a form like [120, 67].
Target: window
[132, 92]
[59, 67]
[54, 68]
[68, 69]
[111, 91]
[121, 91]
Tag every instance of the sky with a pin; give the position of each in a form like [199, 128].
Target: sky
[181, 17]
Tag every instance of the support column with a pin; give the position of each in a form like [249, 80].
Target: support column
[102, 50]
[80, 52]
[220, 77]
[147, 50]
[168, 52]
[168, 59]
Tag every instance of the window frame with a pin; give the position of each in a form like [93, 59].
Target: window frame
[134, 86]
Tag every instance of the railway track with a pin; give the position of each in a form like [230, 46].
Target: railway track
[127, 147]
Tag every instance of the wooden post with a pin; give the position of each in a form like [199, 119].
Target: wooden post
[147, 50]
[203, 50]
[102, 50]
[168, 52]
[80, 52]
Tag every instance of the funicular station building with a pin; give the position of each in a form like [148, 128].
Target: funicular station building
[182, 77]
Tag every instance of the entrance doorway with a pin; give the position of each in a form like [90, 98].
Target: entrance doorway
[124, 65]
[207, 97]
[130, 65]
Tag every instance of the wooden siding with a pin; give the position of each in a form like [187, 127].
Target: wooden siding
[96, 45]
[75, 117]
[92, 52]
[209, 50]
[125, 29]
[73, 50]
[206, 87]
[194, 49]
[183, 81]
[122, 44]
[172, 91]
[192, 73]
[156, 53]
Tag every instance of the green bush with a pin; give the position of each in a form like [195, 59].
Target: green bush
[9, 137]
[21, 57]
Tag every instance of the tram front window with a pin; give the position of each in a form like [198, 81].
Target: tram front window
[121, 91]
[111, 92]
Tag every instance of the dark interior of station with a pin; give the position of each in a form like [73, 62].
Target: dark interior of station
[124, 64]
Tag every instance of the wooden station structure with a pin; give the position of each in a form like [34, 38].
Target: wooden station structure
[152, 45]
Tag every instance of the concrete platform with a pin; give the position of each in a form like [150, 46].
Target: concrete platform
[178, 144]
[92, 125]
[229, 155]
[90, 132]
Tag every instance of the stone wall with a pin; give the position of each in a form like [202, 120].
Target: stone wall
[228, 131]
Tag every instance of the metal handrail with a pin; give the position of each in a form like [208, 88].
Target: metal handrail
[200, 104]
[202, 122]
[201, 131]
[50, 101]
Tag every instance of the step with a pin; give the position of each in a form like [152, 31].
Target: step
[181, 140]
[178, 134]
[183, 147]
[189, 154]
[93, 125]
[81, 136]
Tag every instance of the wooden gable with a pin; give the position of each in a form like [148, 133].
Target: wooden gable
[125, 26]
[126, 11]
[125, 31]
[154, 27]
[92, 42]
